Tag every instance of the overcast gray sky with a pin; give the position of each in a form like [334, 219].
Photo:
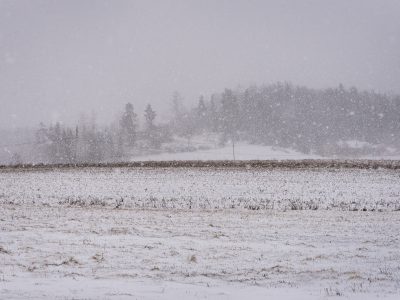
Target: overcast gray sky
[61, 58]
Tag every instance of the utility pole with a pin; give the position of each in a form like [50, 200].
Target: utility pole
[233, 148]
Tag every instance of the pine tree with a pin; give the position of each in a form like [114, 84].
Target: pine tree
[229, 115]
[151, 133]
[149, 116]
[178, 112]
[129, 124]
[201, 115]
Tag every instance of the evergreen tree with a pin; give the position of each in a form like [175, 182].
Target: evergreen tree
[129, 124]
[201, 115]
[229, 116]
[149, 116]
[151, 132]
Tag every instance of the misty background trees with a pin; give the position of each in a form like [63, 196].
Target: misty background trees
[339, 121]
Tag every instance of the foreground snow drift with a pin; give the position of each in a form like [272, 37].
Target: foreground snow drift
[230, 233]
[58, 252]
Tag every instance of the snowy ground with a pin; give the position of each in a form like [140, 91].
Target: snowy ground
[66, 234]
[205, 188]
[242, 152]
[207, 148]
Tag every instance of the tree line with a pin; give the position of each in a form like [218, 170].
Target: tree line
[321, 121]
[325, 122]
[89, 142]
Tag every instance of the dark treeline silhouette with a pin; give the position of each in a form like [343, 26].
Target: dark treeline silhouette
[88, 142]
[328, 122]
[334, 121]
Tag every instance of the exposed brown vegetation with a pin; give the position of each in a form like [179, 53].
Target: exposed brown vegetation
[268, 164]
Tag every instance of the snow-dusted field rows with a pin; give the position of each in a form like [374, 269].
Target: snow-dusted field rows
[151, 233]
[205, 188]
[92, 253]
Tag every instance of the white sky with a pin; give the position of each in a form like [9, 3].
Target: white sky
[61, 58]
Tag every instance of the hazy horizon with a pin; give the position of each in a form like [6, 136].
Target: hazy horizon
[59, 59]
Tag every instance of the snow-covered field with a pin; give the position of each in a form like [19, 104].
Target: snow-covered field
[205, 188]
[243, 151]
[207, 148]
[206, 233]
